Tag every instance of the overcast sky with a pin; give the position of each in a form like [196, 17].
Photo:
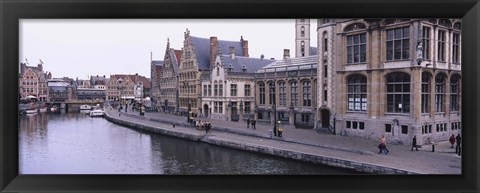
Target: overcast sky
[80, 48]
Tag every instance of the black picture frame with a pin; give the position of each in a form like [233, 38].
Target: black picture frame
[13, 10]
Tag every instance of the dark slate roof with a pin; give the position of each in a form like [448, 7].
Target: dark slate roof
[307, 62]
[202, 50]
[313, 51]
[175, 62]
[157, 62]
[251, 64]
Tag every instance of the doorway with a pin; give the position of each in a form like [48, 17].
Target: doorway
[325, 118]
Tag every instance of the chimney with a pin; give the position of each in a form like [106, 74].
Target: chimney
[286, 53]
[213, 49]
[244, 46]
[262, 56]
[232, 52]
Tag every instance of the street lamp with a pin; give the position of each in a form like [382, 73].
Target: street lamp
[274, 111]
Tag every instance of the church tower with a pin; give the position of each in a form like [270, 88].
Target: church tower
[302, 37]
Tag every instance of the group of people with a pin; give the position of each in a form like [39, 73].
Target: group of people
[203, 125]
[251, 122]
[383, 144]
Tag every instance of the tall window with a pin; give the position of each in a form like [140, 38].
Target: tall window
[247, 106]
[456, 48]
[271, 89]
[294, 93]
[307, 94]
[439, 92]
[357, 93]
[302, 31]
[233, 90]
[441, 45]
[218, 71]
[356, 48]
[215, 89]
[325, 42]
[205, 92]
[425, 103]
[302, 48]
[261, 91]
[426, 42]
[282, 94]
[247, 90]
[398, 93]
[220, 107]
[398, 43]
[454, 83]
[209, 90]
[220, 89]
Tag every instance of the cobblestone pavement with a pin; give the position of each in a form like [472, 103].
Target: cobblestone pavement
[442, 161]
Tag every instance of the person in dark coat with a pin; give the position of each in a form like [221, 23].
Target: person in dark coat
[248, 122]
[253, 124]
[414, 142]
[459, 144]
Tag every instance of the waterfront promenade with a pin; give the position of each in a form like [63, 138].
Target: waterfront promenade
[303, 144]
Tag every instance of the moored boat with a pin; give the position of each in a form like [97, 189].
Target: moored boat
[97, 112]
[85, 107]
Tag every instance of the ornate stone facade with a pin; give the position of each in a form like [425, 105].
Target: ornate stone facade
[376, 78]
[168, 80]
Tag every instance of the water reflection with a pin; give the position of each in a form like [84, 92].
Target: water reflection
[74, 143]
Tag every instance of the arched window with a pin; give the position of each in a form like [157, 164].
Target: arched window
[215, 89]
[357, 93]
[282, 94]
[307, 94]
[425, 103]
[261, 91]
[325, 42]
[294, 94]
[398, 93]
[454, 91]
[271, 89]
[302, 31]
[439, 92]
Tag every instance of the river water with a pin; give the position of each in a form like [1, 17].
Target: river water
[74, 143]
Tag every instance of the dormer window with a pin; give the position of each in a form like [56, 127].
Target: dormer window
[244, 68]
[230, 68]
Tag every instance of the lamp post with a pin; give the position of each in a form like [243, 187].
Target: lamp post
[274, 111]
[241, 109]
[230, 108]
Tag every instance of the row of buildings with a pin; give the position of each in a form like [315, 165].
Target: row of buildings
[34, 82]
[366, 77]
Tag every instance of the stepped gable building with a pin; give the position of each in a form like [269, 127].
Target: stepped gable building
[168, 98]
[196, 62]
[394, 77]
[124, 88]
[287, 89]
[229, 91]
[33, 81]
[156, 68]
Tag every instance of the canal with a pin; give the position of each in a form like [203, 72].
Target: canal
[74, 143]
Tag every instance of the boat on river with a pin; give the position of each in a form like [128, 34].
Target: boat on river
[97, 112]
[85, 107]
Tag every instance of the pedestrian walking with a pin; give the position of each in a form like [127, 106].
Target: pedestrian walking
[452, 140]
[280, 131]
[275, 130]
[254, 122]
[383, 145]
[414, 142]
[459, 144]
[248, 122]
